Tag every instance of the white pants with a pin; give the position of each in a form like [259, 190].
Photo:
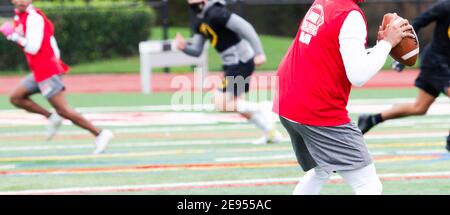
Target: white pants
[363, 181]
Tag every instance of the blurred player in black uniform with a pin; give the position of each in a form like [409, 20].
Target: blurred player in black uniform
[434, 77]
[241, 50]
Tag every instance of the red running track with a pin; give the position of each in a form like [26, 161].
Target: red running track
[162, 82]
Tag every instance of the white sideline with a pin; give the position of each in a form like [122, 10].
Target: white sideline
[408, 122]
[440, 100]
[292, 156]
[204, 142]
[131, 188]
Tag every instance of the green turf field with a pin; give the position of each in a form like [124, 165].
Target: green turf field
[160, 151]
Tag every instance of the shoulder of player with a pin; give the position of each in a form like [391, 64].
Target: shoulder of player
[218, 13]
[195, 25]
[33, 13]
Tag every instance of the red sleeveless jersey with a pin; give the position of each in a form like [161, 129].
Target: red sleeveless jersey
[313, 87]
[44, 64]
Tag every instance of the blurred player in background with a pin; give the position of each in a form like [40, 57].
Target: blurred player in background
[434, 77]
[241, 50]
[327, 57]
[33, 32]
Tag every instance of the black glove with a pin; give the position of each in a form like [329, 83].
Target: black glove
[397, 66]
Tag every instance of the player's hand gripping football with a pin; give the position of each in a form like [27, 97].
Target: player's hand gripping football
[7, 29]
[395, 31]
[260, 59]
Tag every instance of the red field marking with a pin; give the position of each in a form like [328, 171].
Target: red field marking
[172, 136]
[161, 82]
[194, 166]
[147, 167]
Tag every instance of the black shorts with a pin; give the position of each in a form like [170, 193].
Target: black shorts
[237, 78]
[433, 85]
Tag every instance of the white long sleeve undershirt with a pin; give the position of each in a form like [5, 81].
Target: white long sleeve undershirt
[34, 33]
[360, 66]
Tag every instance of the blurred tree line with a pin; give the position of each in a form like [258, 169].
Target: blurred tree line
[284, 20]
[88, 33]
[274, 18]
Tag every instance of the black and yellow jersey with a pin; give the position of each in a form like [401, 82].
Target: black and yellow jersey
[213, 27]
[234, 38]
[437, 53]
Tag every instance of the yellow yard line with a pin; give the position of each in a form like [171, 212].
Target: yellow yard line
[118, 155]
[399, 145]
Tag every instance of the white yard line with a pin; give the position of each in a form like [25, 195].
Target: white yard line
[128, 145]
[408, 122]
[210, 184]
[168, 115]
[205, 142]
[202, 107]
[405, 135]
[292, 156]
[5, 167]
[256, 158]
[164, 129]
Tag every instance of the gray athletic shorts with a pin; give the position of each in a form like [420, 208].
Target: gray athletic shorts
[48, 88]
[332, 149]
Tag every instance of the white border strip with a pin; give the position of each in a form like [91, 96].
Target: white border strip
[137, 188]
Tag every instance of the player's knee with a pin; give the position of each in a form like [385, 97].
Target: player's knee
[64, 112]
[420, 110]
[224, 105]
[219, 106]
[15, 100]
[378, 187]
[370, 187]
[321, 174]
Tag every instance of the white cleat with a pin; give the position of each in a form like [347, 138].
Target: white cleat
[54, 122]
[271, 138]
[102, 141]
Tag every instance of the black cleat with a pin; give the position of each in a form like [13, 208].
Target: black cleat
[448, 143]
[365, 122]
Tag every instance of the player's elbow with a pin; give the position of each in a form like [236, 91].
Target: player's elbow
[32, 49]
[357, 82]
[355, 78]
[197, 54]
[193, 53]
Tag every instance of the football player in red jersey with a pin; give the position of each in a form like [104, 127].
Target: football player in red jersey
[327, 57]
[34, 33]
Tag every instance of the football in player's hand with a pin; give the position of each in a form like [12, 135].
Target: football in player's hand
[7, 29]
[407, 51]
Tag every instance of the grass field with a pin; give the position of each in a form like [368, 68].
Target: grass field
[159, 151]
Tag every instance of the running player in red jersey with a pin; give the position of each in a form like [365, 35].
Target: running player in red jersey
[327, 57]
[33, 32]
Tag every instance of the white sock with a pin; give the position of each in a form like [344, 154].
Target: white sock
[243, 106]
[262, 122]
[258, 118]
[312, 182]
[364, 181]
